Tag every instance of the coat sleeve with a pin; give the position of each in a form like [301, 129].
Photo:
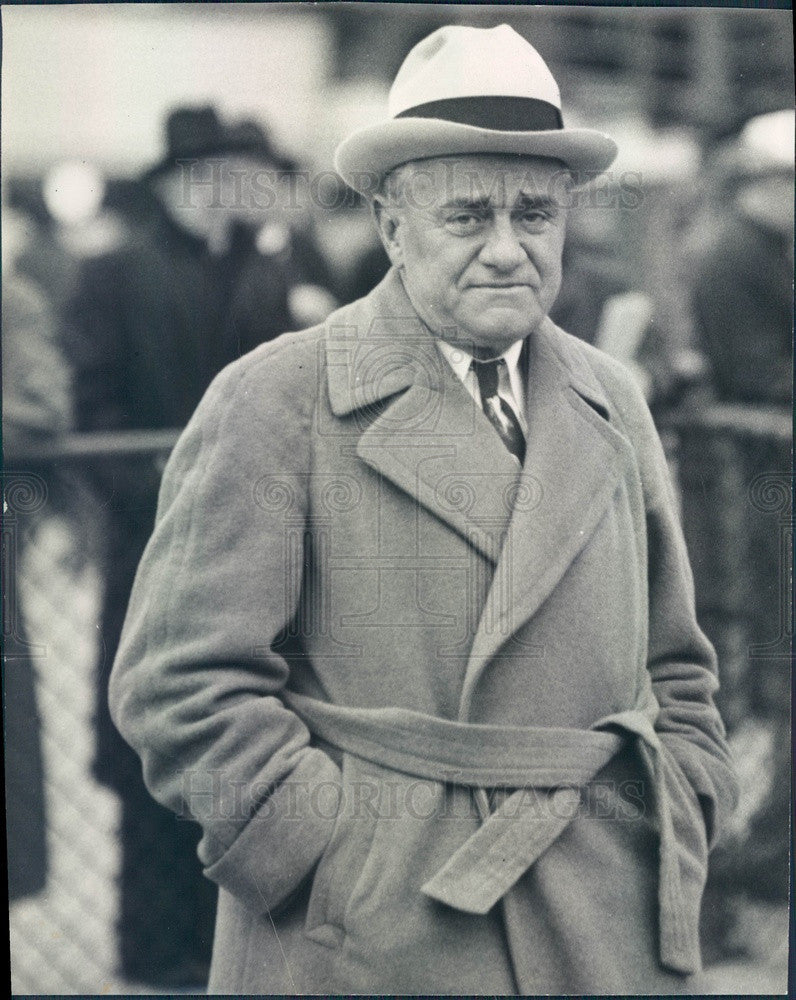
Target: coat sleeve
[680, 659]
[195, 686]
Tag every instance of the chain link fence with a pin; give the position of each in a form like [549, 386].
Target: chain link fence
[63, 939]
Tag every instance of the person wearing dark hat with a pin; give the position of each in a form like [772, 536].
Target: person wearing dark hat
[149, 327]
[414, 637]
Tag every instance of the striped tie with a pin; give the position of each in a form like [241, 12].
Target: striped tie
[499, 414]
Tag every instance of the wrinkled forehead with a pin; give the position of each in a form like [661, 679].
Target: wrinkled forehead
[493, 181]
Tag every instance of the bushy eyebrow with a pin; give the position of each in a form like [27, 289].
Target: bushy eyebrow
[526, 200]
[467, 203]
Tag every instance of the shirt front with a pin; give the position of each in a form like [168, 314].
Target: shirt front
[510, 385]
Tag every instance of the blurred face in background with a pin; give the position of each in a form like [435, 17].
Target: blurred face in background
[478, 243]
[207, 197]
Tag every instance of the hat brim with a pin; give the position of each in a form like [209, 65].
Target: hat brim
[369, 153]
[260, 154]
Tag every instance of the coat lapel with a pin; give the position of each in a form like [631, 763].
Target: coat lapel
[421, 430]
[574, 461]
[420, 427]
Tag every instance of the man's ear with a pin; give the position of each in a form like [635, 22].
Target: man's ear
[388, 223]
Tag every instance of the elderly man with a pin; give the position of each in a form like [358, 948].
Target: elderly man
[414, 638]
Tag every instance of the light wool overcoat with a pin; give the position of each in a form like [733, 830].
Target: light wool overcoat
[447, 723]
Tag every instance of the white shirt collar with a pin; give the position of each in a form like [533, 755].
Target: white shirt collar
[460, 360]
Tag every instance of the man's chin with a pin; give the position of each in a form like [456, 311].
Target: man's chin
[502, 330]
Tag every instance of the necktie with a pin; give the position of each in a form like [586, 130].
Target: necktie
[499, 414]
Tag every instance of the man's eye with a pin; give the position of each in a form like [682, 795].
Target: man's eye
[535, 219]
[464, 222]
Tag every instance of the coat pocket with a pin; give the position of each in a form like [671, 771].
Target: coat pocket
[342, 864]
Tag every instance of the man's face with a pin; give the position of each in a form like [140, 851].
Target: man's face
[207, 195]
[478, 241]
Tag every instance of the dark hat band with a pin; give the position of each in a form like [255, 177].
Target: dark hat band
[504, 114]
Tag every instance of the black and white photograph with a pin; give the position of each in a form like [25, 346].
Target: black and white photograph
[397, 541]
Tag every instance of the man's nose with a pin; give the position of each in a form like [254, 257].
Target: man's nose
[502, 249]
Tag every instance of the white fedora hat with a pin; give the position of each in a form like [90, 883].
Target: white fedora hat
[469, 90]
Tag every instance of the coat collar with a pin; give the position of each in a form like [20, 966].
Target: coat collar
[420, 429]
[378, 346]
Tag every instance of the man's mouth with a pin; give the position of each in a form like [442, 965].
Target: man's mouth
[502, 286]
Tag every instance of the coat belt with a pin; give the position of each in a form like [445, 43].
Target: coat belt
[511, 838]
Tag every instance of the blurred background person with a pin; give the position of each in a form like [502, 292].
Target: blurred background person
[592, 273]
[67, 221]
[208, 270]
[36, 407]
[743, 280]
